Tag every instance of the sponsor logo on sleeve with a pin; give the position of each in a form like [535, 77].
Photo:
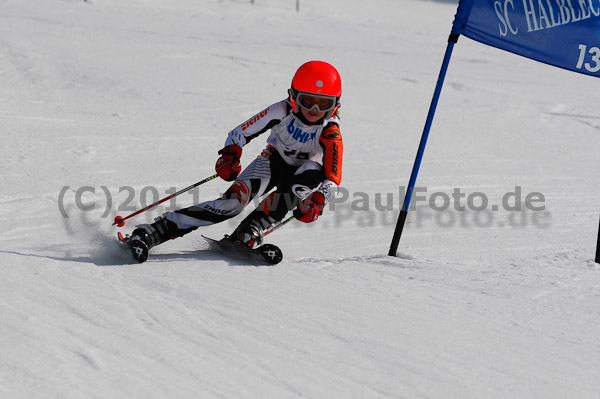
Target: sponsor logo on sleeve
[335, 159]
[331, 134]
[254, 119]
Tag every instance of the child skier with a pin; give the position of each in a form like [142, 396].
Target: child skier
[302, 162]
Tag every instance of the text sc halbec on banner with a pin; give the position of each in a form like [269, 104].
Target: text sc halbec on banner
[563, 33]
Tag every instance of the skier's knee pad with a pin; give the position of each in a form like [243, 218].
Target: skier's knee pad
[240, 190]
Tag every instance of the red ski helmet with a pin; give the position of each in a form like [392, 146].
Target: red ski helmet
[316, 79]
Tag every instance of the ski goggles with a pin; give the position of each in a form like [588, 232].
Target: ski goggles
[310, 101]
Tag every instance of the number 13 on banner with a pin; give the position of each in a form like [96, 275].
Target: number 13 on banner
[594, 55]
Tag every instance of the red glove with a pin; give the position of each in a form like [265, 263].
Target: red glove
[309, 209]
[228, 165]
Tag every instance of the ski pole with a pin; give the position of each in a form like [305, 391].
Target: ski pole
[120, 221]
[280, 224]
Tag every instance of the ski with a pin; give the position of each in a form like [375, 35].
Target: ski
[135, 246]
[266, 254]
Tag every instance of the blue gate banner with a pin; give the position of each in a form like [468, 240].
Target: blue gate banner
[562, 33]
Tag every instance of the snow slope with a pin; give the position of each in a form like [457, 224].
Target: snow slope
[117, 97]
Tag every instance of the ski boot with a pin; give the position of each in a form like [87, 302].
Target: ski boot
[146, 236]
[250, 233]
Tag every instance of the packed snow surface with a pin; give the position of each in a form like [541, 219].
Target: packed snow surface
[108, 105]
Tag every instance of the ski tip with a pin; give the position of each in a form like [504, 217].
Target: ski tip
[271, 253]
[135, 246]
[266, 254]
[138, 249]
